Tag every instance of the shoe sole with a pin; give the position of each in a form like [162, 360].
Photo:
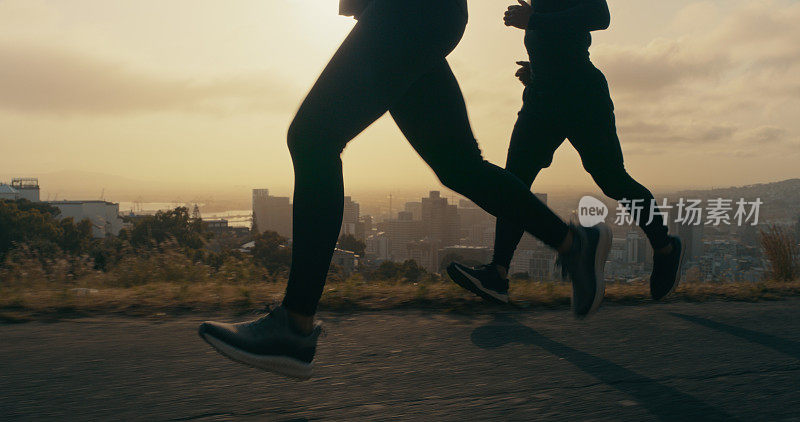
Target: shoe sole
[678, 273]
[474, 285]
[600, 256]
[281, 365]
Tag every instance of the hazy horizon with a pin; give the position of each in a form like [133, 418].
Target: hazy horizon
[91, 185]
[193, 98]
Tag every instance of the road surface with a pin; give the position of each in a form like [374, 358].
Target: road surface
[679, 361]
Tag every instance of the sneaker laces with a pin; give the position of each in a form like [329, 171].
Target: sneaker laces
[485, 267]
[262, 322]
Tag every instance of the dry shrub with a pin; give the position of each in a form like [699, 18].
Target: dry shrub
[781, 251]
[28, 267]
[167, 266]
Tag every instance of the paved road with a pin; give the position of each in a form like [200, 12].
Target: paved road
[729, 361]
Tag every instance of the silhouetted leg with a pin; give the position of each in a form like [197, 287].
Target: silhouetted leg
[535, 138]
[593, 133]
[433, 116]
[392, 45]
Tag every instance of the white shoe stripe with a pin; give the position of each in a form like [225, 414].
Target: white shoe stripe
[477, 283]
[600, 255]
[283, 365]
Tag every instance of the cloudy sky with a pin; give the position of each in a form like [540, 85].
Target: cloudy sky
[199, 93]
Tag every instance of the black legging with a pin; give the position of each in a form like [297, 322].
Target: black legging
[393, 60]
[575, 106]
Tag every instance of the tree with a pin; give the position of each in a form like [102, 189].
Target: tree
[164, 225]
[271, 251]
[75, 238]
[37, 225]
[348, 242]
[23, 221]
[408, 270]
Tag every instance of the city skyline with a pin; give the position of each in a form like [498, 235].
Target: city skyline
[435, 229]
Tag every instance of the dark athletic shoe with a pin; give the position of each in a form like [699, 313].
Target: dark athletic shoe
[667, 270]
[484, 281]
[267, 343]
[584, 264]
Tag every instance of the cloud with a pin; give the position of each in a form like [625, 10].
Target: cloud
[755, 40]
[39, 79]
[725, 86]
[661, 64]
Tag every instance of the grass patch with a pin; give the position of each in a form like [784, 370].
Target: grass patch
[49, 301]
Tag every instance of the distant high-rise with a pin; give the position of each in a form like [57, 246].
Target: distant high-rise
[350, 217]
[415, 208]
[400, 233]
[692, 237]
[272, 213]
[378, 246]
[539, 263]
[425, 253]
[632, 247]
[364, 227]
[638, 249]
[440, 220]
[477, 225]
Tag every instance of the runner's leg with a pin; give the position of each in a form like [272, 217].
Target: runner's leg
[535, 138]
[392, 46]
[433, 117]
[593, 133]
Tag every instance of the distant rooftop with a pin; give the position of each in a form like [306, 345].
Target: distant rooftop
[25, 183]
[4, 188]
[77, 202]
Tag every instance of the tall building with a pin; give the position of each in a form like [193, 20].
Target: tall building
[638, 249]
[400, 233]
[539, 264]
[477, 225]
[350, 218]
[691, 236]
[440, 220]
[364, 227]
[378, 246]
[632, 247]
[272, 213]
[415, 208]
[425, 253]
